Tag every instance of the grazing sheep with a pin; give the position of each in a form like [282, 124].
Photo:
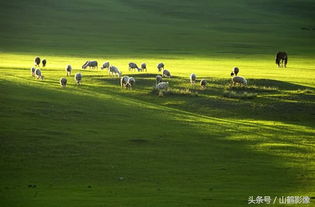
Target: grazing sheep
[85, 65]
[166, 73]
[63, 82]
[160, 66]
[203, 83]
[37, 61]
[114, 71]
[38, 74]
[133, 66]
[131, 81]
[240, 80]
[105, 65]
[44, 61]
[235, 71]
[144, 67]
[124, 81]
[159, 79]
[193, 78]
[90, 64]
[78, 78]
[282, 59]
[33, 71]
[68, 70]
[162, 86]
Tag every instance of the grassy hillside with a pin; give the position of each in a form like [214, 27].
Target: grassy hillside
[146, 28]
[100, 145]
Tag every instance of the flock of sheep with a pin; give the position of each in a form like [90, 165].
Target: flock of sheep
[129, 82]
[37, 72]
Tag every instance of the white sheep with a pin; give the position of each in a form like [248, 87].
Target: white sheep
[105, 65]
[33, 71]
[159, 79]
[162, 86]
[166, 73]
[203, 83]
[235, 71]
[124, 81]
[37, 61]
[91, 64]
[68, 70]
[38, 74]
[160, 66]
[44, 62]
[114, 71]
[193, 78]
[132, 81]
[239, 80]
[144, 67]
[63, 82]
[78, 78]
[133, 66]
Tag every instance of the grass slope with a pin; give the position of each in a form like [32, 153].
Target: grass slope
[138, 28]
[99, 145]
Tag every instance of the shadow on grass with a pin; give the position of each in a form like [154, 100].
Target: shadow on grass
[140, 142]
[197, 141]
[263, 99]
[280, 85]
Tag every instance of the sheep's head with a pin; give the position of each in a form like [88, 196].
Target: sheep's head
[85, 65]
[132, 81]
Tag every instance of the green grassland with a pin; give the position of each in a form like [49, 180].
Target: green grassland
[100, 145]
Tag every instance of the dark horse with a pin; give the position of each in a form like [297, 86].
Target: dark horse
[282, 59]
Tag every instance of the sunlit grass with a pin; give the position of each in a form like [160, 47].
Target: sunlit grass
[99, 144]
[200, 121]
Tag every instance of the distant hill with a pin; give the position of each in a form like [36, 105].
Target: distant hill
[179, 27]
